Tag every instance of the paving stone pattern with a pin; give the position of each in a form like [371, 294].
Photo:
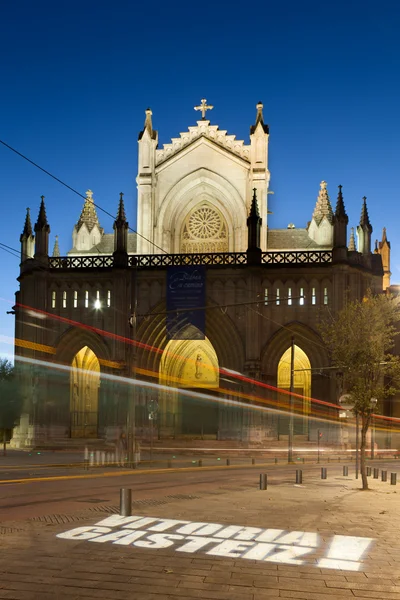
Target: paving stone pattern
[36, 565]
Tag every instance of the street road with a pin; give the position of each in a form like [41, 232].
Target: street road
[77, 490]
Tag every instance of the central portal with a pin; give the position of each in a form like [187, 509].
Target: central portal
[84, 402]
[191, 367]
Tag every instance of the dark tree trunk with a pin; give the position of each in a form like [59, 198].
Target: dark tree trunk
[365, 421]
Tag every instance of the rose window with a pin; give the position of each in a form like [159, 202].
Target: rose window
[204, 231]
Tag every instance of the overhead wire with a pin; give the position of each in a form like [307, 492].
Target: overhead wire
[75, 191]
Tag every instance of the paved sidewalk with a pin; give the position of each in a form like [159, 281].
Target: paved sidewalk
[324, 540]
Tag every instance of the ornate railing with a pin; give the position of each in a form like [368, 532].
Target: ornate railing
[80, 262]
[170, 260]
[301, 257]
[143, 261]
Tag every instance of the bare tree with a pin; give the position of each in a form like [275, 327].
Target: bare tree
[361, 342]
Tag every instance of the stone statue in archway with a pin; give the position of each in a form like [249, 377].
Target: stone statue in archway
[199, 366]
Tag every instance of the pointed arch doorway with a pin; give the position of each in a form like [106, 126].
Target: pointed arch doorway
[84, 394]
[190, 366]
[302, 386]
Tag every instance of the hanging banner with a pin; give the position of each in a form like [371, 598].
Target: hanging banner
[186, 298]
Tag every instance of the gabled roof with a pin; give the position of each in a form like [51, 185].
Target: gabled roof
[291, 239]
[106, 246]
[203, 129]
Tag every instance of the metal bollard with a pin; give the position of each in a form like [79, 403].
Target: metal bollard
[103, 458]
[323, 473]
[393, 478]
[345, 471]
[200, 463]
[112, 458]
[86, 459]
[263, 481]
[253, 461]
[91, 459]
[276, 460]
[376, 473]
[228, 462]
[368, 471]
[98, 458]
[384, 475]
[125, 502]
[299, 476]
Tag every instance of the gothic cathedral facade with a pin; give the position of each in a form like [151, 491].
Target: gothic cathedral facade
[89, 323]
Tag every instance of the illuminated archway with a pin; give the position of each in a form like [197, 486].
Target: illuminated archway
[84, 396]
[190, 365]
[302, 386]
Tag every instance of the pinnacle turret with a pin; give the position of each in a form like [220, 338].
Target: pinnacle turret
[364, 230]
[364, 218]
[88, 215]
[340, 212]
[259, 119]
[121, 216]
[121, 236]
[352, 241]
[27, 239]
[384, 250]
[27, 231]
[42, 230]
[254, 212]
[56, 249]
[323, 206]
[254, 223]
[148, 125]
[42, 218]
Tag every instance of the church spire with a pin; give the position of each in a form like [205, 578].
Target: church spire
[323, 206]
[56, 249]
[352, 242]
[88, 215]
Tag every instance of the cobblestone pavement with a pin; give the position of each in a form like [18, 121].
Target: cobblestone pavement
[298, 531]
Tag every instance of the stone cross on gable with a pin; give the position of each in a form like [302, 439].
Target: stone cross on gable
[203, 107]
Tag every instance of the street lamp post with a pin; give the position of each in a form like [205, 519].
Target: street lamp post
[291, 427]
[131, 356]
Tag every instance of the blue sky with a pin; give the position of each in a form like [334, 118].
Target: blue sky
[76, 78]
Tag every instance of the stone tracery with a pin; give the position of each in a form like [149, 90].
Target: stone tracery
[204, 230]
